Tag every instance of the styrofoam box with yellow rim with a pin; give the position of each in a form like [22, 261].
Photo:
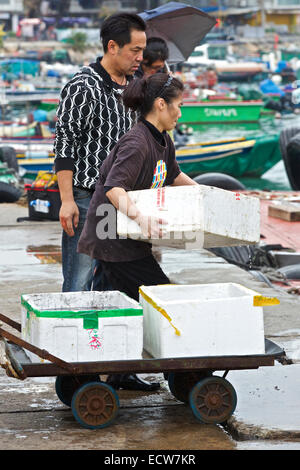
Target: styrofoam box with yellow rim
[197, 216]
[83, 326]
[202, 320]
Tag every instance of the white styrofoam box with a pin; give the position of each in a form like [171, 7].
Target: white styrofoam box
[83, 326]
[197, 216]
[212, 319]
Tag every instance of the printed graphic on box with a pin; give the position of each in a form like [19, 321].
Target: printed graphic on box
[94, 339]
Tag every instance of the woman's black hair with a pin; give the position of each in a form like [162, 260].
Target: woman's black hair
[156, 49]
[141, 93]
[118, 28]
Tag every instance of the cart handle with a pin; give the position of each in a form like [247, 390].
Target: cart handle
[40, 352]
[10, 322]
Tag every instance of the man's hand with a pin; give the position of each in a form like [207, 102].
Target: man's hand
[69, 217]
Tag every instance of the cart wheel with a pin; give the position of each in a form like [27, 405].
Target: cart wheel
[181, 383]
[66, 386]
[213, 400]
[95, 405]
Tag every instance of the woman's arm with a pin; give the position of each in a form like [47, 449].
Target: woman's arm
[183, 180]
[151, 226]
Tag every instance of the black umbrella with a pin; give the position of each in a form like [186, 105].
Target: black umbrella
[182, 27]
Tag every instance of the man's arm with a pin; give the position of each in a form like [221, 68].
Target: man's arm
[71, 120]
[69, 212]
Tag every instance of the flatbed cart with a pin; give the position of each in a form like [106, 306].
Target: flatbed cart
[95, 404]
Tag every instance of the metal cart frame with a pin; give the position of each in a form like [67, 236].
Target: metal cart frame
[95, 404]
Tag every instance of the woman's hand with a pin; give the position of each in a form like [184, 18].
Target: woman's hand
[152, 227]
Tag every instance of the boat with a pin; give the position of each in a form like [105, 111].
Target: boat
[239, 73]
[38, 156]
[223, 111]
[227, 66]
[239, 157]
[236, 157]
[32, 146]
[35, 130]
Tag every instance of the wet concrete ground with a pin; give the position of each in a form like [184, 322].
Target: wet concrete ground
[32, 417]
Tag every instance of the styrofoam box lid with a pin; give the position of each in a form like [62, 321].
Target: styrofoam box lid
[170, 293]
[78, 304]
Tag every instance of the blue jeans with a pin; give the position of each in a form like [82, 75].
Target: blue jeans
[78, 268]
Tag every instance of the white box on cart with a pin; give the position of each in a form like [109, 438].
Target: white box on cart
[83, 326]
[201, 320]
[197, 216]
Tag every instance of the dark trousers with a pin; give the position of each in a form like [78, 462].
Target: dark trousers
[128, 276]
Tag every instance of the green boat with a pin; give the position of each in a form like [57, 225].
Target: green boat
[238, 157]
[287, 55]
[222, 112]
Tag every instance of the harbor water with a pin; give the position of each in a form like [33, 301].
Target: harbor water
[274, 179]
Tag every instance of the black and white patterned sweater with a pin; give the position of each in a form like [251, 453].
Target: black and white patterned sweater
[91, 118]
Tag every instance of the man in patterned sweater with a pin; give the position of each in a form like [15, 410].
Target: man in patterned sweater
[91, 120]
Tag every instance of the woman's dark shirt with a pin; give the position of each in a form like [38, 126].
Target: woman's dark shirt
[138, 161]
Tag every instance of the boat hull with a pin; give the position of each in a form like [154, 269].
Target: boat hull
[238, 159]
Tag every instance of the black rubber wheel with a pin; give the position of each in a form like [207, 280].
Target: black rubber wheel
[95, 405]
[290, 155]
[181, 383]
[213, 400]
[8, 155]
[66, 386]
[219, 180]
[9, 193]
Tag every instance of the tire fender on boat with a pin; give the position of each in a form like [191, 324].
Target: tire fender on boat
[9, 193]
[8, 155]
[289, 142]
[219, 180]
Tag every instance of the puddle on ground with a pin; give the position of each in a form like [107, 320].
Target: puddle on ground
[289, 340]
[46, 254]
[32, 255]
[268, 445]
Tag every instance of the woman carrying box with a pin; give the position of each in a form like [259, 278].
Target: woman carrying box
[143, 158]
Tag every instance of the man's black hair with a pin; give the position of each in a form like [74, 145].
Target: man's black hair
[156, 49]
[118, 28]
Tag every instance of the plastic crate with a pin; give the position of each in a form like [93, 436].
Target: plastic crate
[43, 203]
